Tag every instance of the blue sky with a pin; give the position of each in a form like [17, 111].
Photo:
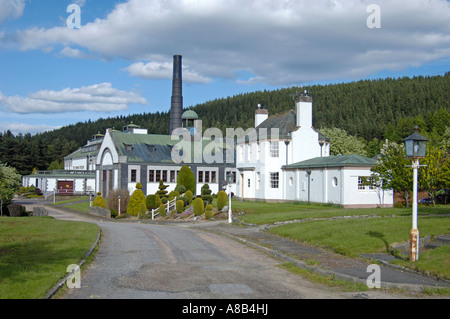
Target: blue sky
[119, 61]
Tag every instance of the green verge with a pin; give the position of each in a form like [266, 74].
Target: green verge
[36, 251]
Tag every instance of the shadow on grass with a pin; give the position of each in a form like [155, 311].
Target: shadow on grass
[380, 236]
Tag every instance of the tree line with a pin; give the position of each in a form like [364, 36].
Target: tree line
[369, 111]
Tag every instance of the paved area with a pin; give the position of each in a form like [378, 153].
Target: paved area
[218, 257]
[326, 262]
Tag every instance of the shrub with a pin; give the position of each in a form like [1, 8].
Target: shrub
[138, 186]
[180, 206]
[114, 213]
[173, 195]
[135, 203]
[162, 190]
[180, 189]
[190, 196]
[187, 179]
[162, 210]
[184, 199]
[209, 212]
[206, 194]
[164, 200]
[113, 200]
[151, 203]
[99, 202]
[221, 200]
[143, 209]
[199, 206]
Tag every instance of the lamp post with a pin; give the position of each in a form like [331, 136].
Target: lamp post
[230, 180]
[416, 148]
[119, 204]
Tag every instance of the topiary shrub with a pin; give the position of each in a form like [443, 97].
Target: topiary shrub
[162, 192]
[187, 179]
[209, 212]
[190, 196]
[180, 189]
[173, 195]
[180, 206]
[199, 206]
[135, 203]
[151, 203]
[99, 202]
[221, 200]
[162, 210]
[206, 194]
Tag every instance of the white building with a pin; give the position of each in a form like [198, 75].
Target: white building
[133, 156]
[288, 160]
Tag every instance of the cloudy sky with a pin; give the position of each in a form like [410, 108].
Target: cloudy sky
[110, 57]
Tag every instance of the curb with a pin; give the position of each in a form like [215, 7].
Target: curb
[62, 282]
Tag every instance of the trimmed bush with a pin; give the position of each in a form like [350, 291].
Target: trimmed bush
[221, 200]
[135, 203]
[162, 190]
[162, 210]
[199, 206]
[99, 202]
[187, 179]
[209, 212]
[190, 196]
[173, 194]
[180, 189]
[151, 203]
[206, 194]
[180, 206]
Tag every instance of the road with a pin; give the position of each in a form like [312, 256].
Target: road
[148, 261]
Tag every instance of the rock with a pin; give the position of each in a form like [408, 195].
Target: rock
[39, 211]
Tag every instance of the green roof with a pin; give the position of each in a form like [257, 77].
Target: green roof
[189, 115]
[148, 148]
[334, 161]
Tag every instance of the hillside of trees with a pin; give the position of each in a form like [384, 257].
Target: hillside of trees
[371, 110]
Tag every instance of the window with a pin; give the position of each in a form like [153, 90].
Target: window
[274, 180]
[200, 177]
[366, 183]
[133, 175]
[274, 149]
[172, 176]
[213, 177]
[206, 177]
[234, 176]
[248, 182]
[164, 176]
[158, 176]
[151, 176]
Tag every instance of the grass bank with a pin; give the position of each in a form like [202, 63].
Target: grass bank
[355, 236]
[36, 251]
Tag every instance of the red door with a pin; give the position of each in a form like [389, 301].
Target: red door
[65, 188]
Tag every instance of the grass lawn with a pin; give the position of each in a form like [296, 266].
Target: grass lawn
[36, 251]
[355, 236]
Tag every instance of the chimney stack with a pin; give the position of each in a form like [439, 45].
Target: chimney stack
[176, 109]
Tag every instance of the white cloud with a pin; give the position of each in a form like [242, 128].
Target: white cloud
[11, 9]
[95, 98]
[282, 42]
[164, 70]
[74, 53]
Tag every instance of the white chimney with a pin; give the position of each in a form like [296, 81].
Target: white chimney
[261, 114]
[304, 111]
